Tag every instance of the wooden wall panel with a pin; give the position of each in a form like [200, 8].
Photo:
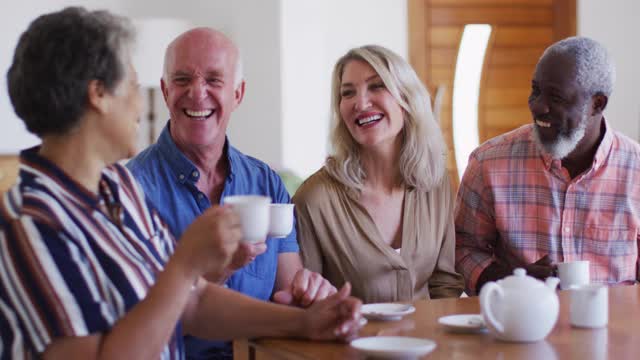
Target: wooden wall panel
[445, 16]
[521, 30]
[505, 97]
[528, 3]
[442, 74]
[515, 55]
[564, 19]
[517, 76]
[507, 117]
[447, 101]
[445, 117]
[418, 36]
[444, 56]
[518, 36]
[445, 36]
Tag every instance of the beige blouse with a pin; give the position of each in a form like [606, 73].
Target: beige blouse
[339, 239]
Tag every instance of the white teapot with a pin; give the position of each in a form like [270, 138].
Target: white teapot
[519, 307]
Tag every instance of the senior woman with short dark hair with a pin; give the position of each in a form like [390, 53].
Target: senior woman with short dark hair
[87, 267]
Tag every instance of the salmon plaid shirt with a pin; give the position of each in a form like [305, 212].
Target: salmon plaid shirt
[516, 204]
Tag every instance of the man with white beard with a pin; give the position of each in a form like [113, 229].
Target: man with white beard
[564, 188]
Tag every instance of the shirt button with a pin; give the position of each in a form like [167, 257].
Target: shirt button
[181, 177]
[194, 174]
[567, 229]
[200, 196]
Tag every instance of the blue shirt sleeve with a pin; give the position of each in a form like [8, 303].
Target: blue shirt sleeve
[281, 196]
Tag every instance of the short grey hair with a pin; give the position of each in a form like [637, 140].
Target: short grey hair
[595, 71]
[57, 57]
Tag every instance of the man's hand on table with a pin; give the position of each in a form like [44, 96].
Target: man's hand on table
[542, 268]
[208, 244]
[306, 288]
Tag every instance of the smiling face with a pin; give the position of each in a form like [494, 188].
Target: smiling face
[199, 87]
[559, 106]
[371, 114]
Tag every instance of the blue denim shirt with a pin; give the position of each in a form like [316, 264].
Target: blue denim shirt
[169, 180]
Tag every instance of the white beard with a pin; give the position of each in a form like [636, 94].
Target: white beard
[565, 144]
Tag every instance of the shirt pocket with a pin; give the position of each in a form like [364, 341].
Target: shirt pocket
[613, 253]
[257, 268]
[265, 265]
[255, 279]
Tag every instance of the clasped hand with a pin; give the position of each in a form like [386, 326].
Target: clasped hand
[306, 288]
[542, 268]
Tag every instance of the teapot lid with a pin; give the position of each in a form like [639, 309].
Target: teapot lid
[520, 280]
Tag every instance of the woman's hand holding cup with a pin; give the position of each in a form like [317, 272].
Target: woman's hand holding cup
[209, 243]
[246, 253]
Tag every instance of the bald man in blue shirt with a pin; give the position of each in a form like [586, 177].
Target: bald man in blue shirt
[193, 166]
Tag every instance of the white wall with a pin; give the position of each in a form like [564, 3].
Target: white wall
[289, 48]
[14, 19]
[314, 35]
[256, 127]
[615, 24]
[214, 13]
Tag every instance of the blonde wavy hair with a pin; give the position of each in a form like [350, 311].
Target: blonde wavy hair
[423, 152]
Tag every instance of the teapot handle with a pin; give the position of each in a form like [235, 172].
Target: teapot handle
[485, 294]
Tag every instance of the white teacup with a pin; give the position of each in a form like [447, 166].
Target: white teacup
[281, 222]
[589, 306]
[254, 215]
[573, 274]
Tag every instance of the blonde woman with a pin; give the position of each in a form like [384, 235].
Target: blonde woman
[379, 214]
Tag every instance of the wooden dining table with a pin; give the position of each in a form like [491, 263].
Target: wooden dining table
[619, 340]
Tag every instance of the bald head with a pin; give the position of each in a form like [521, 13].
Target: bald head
[204, 40]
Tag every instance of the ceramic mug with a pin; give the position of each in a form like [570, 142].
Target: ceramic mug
[254, 215]
[589, 306]
[573, 273]
[281, 220]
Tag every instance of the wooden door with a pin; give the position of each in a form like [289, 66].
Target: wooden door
[521, 30]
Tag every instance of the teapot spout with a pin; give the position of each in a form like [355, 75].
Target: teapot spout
[552, 282]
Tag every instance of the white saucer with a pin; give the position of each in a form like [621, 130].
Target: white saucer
[463, 322]
[386, 311]
[393, 346]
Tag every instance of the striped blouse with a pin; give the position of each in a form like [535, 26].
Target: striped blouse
[72, 262]
[516, 204]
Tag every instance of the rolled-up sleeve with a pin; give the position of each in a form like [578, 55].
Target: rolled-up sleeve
[474, 225]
